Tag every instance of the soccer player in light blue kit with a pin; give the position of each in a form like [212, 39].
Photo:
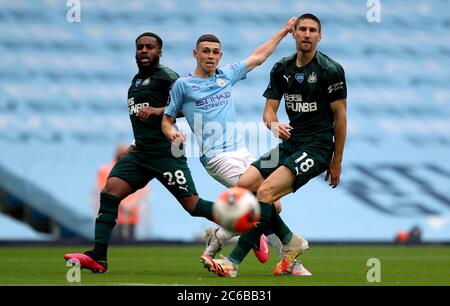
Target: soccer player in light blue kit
[205, 98]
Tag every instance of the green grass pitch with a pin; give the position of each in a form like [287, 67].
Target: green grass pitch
[180, 265]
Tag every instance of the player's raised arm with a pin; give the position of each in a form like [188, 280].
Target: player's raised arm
[266, 49]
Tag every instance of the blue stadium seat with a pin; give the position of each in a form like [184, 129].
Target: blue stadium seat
[63, 104]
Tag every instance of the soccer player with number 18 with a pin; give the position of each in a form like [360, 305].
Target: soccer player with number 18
[314, 91]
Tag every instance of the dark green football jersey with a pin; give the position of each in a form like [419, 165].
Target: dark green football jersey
[151, 89]
[308, 92]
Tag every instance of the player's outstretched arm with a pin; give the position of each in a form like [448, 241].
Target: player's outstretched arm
[170, 131]
[266, 49]
[339, 109]
[280, 130]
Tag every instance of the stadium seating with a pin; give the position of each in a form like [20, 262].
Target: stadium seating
[63, 108]
[19, 231]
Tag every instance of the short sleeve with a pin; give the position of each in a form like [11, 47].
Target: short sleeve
[175, 101]
[274, 89]
[235, 72]
[169, 77]
[334, 83]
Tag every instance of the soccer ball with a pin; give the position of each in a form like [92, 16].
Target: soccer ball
[236, 210]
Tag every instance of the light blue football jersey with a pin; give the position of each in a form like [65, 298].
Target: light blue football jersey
[208, 107]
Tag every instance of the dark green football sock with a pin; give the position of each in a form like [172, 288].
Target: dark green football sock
[266, 211]
[280, 228]
[105, 222]
[248, 240]
[203, 209]
[245, 243]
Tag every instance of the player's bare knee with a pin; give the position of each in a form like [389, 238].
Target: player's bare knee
[243, 183]
[109, 186]
[248, 184]
[111, 189]
[117, 187]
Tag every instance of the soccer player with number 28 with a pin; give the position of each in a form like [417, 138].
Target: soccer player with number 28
[150, 158]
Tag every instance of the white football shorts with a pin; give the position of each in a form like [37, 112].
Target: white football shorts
[227, 167]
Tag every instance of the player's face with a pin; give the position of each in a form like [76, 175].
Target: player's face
[208, 55]
[307, 35]
[148, 51]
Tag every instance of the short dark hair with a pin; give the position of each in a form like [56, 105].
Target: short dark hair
[207, 37]
[158, 39]
[308, 16]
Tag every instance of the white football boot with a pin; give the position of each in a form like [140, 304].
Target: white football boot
[297, 269]
[215, 240]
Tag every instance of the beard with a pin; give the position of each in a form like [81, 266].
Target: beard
[304, 47]
[144, 69]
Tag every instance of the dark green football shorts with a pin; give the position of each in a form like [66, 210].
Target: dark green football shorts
[305, 161]
[138, 168]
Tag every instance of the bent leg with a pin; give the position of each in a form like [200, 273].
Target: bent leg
[126, 176]
[197, 207]
[114, 191]
[277, 185]
[251, 179]
[117, 187]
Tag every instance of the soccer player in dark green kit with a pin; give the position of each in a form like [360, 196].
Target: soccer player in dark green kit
[151, 156]
[314, 91]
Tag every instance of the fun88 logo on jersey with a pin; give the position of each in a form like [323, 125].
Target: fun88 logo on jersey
[294, 103]
[134, 108]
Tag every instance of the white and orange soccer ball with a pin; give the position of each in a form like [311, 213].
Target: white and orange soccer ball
[236, 210]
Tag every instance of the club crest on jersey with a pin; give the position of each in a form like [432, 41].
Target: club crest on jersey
[299, 77]
[220, 82]
[312, 78]
[146, 81]
[138, 82]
